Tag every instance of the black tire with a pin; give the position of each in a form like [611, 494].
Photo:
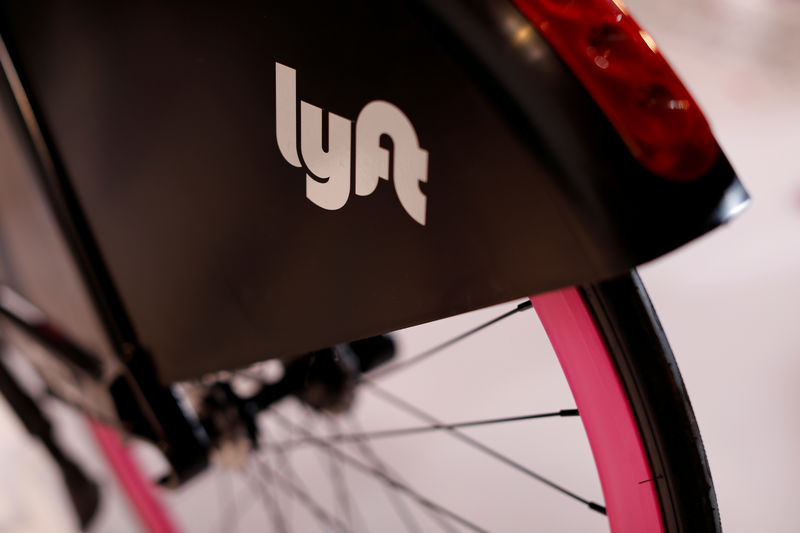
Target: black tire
[647, 368]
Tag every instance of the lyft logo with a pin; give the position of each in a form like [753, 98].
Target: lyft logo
[329, 172]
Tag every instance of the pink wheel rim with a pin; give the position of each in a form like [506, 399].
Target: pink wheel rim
[625, 476]
[139, 490]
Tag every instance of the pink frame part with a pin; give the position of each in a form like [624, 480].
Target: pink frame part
[139, 490]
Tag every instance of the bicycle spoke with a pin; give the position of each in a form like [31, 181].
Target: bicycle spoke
[397, 502]
[383, 371]
[325, 459]
[303, 497]
[270, 503]
[339, 488]
[283, 465]
[382, 476]
[233, 512]
[349, 505]
[372, 435]
[303, 435]
[415, 411]
[309, 420]
[280, 516]
[307, 425]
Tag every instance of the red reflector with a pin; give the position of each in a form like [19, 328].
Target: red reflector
[621, 67]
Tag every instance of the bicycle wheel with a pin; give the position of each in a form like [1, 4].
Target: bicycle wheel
[647, 371]
[489, 59]
[626, 387]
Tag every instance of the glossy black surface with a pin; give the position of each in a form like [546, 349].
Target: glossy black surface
[162, 118]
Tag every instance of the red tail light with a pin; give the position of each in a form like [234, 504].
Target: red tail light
[621, 67]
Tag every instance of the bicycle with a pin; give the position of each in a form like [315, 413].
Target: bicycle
[545, 100]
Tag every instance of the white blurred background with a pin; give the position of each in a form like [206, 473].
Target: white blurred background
[730, 304]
